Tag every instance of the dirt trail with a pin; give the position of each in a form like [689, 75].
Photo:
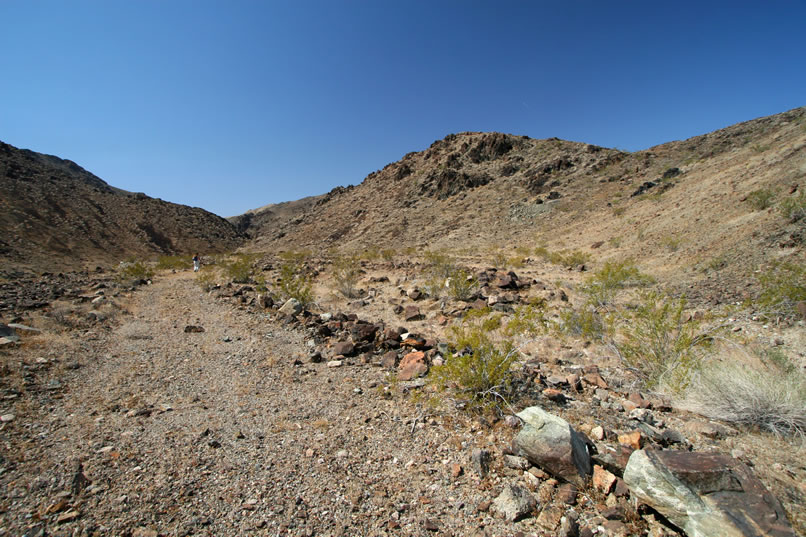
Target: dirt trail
[231, 431]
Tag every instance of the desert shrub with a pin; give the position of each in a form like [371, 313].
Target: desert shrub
[499, 259]
[563, 257]
[585, 323]
[671, 243]
[783, 285]
[371, 254]
[136, 270]
[656, 341]
[462, 285]
[174, 262]
[479, 369]
[439, 267]
[601, 288]
[761, 199]
[206, 280]
[240, 268]
[528, 320]
[388, 254]
[295, 280]
[794, 207]
[346, 273]
[769, 397]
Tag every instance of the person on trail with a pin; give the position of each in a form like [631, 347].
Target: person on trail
[196, 263]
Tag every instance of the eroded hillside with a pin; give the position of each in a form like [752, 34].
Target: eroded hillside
[55, 215]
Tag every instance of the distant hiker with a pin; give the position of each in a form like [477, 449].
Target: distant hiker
[196, 263]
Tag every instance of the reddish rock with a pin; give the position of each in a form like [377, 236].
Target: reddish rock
[602, 479]
[412, 365]
[632, 439]
[554, 394]
[595, 379]
[638, 400]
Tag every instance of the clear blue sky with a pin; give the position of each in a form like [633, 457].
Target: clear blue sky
[231, 105]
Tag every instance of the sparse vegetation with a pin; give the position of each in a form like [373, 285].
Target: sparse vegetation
[174, 262]
[240, 268]
[206, 280]
[601, 288]
[783, 286]
[136, 270]
[671, 242]
[295, 281]
[346, 273]
[769, 394]
[794, 207]
[568, 259]
[658, 343]
[478, 371]
[462, 285]
[761, 199]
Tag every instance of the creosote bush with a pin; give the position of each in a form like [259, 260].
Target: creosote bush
[657, 342]
[346, 273]
[295, 280]
[462, 285]
[783, 286]
[565, 258]
[174, 262]
[240, 268]
[761, 199]
[136, 270]
[793, 208]
[479, 369]
[601, 288]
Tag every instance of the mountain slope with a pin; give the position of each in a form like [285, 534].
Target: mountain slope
[679, 208]
[54, 214]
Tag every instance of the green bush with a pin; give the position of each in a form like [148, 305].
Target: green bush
[783, 285]
[295, 281]
[528, 320]
[585, 323]
[657, 341]
[794, 207]
[206, 280]
[136, 270]
[479, 370]
[601, 288]
[346, 273]
[761, 199]
[462, 285]
[174, 262]
[563, 257]
[241, 268]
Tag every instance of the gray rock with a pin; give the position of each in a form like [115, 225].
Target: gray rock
[514, 503]
[8, 333]
[516, 463]
[481, 461]
[706, 494]
[291, 307]
[550, 443]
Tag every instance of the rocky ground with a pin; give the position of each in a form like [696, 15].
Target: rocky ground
[174, 411]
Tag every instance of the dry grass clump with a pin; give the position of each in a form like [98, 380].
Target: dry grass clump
[768, 394]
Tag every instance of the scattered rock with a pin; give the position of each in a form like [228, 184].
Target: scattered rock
[193, 329]
[412, 365]
[481, 459]
[291, 307]
[514, 503]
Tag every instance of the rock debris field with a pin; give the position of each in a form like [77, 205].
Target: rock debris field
[193, 415]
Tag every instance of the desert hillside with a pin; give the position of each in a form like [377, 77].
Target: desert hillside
[56, 215]
[682, 209]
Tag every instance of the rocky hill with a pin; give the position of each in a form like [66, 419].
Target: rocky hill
[682, 208]
[54, 214]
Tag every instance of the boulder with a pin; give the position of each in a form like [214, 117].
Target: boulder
[550, 443]
[412, 313]
[8, 333]
[705, 494]
[291, 307]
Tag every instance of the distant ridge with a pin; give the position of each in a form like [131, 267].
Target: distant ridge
[55, 215]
